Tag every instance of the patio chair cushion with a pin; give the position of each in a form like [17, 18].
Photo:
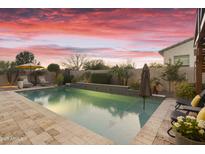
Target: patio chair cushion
[42, 79]
[195, 101]
[202, 93]
[201, 114]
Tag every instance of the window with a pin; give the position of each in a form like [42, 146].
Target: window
[182, 58]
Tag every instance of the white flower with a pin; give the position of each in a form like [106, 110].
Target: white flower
[191, 117]
[180, 119]
[201, 131]
[187, 123]
[176, 124]
[201, 124]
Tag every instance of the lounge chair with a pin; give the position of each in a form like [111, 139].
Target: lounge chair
[184, 102]
[42, 81]
[26, 83]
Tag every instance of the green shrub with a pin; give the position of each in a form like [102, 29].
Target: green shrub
[67, 76]
[135, 85]
[86, 76]
[59, 79]
[102, 78]
[185, 90]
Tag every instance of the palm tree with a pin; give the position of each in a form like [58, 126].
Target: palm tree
[122, 73]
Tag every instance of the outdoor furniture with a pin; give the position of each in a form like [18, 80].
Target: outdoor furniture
[26, 83]
[42, 81]
[184, 102]
[190, 109]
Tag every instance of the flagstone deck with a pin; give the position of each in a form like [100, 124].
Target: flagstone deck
[155, 130]
[24, 122]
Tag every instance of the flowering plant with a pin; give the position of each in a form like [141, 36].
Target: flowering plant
[190, 128]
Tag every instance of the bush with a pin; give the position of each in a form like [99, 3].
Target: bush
[67, 76]
[102, 78]
[59, 79]
[185, 90]
[135, 85]
[53, 68]
[86, 76]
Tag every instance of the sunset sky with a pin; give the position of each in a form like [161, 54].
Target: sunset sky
[115, 35]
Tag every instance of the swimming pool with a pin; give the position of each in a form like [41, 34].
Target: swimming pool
[116, 117]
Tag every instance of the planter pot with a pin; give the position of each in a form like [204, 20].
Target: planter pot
[20, 84]
[181, 140]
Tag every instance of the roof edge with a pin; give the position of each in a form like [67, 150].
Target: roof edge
[175, 45]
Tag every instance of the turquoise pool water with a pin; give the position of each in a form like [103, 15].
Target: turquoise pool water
[116, 117]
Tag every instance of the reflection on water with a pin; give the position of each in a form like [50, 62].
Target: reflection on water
[114, 116]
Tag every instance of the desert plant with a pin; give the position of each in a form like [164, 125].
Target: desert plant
[67, 76]
[171, 73]
[156, 65]
[75, 62]
[135, 85]
[9, 68]
[24, 58]
[102, 78]
[97, 64]
[185, 90]
[86, 76]
[59, 79]
[53, 68]
[122, 72]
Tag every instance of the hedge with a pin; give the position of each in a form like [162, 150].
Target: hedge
[102, 78]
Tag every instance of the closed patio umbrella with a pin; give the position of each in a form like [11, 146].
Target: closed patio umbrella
[145, 88]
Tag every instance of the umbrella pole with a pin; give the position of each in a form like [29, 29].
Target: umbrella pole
[143, 102]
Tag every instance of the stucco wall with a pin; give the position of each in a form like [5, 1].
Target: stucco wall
[136, 75]
[183, 49]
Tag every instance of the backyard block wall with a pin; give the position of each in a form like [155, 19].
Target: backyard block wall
[136, 75]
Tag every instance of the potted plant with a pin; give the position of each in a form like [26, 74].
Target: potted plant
[20, 83]
[189, 131]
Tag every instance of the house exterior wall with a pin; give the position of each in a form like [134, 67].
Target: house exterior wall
[183, 49]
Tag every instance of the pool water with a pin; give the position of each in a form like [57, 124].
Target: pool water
[116, 117]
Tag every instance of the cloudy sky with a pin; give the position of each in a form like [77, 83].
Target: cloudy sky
[115, 35]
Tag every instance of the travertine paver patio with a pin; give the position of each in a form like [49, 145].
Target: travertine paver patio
[24, 122]
[155, 130]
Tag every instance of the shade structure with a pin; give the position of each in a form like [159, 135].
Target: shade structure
[145, 88]
[29, 66]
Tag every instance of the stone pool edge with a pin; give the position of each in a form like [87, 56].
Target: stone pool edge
[69, 131]
[150, 131]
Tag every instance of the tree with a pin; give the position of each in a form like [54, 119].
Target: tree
[9, 68]
[171, 73]
[53, 68]
[122, 72]
[24, 58]
[75, 62]
[97, 64]
[156, 65]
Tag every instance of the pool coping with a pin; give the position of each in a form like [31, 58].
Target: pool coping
[150, 131]
[69, 131]
[146, 135]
